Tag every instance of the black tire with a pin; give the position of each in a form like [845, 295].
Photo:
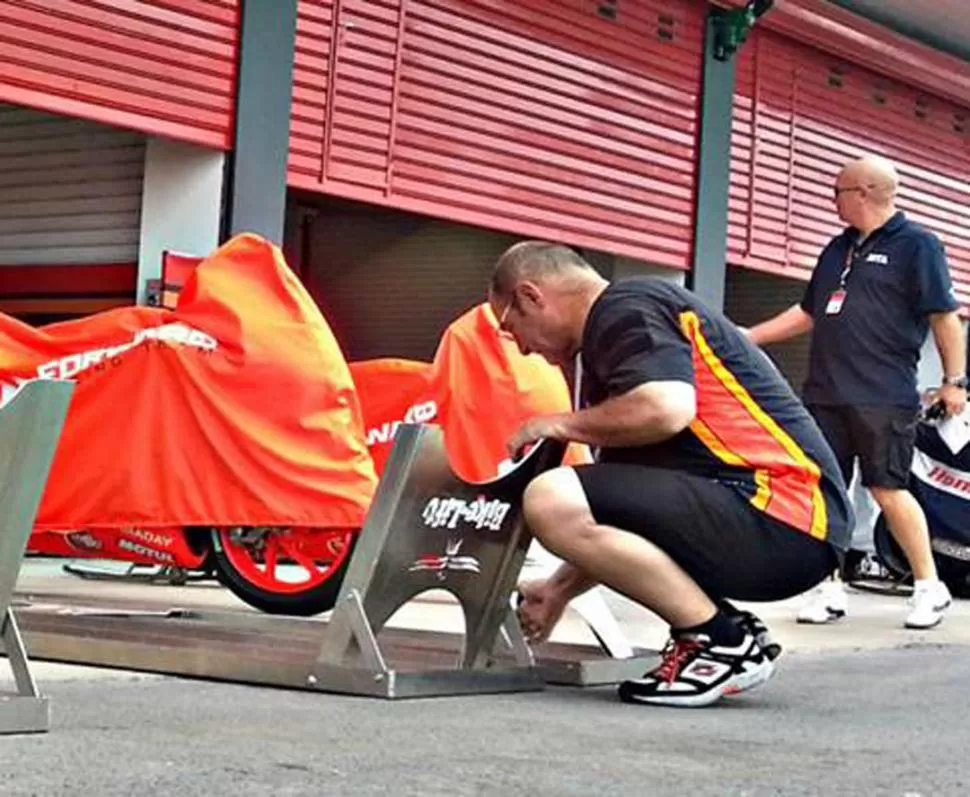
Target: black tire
[954, 573]
[888, 550]
[319, 598]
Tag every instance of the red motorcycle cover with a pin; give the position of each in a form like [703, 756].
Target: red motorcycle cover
[236, 408]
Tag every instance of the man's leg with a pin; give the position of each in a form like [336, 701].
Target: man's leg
[694, 542]
[835, 429]
[886, 458]
[907, 523]
[558, 513]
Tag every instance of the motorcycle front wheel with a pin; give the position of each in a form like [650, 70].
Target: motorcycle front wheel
[294, 571]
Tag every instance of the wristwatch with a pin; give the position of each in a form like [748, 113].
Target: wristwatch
[956, 381]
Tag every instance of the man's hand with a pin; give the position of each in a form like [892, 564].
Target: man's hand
[787, 324]
[540, 609]
[538, 428]
[955, 398]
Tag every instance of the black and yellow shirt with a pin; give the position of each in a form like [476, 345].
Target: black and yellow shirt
[751, 431]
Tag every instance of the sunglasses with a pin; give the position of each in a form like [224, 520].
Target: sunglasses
[839, 191]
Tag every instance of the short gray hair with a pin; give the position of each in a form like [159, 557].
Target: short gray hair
[531, 259]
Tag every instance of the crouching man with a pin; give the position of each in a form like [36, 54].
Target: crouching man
[711, 483]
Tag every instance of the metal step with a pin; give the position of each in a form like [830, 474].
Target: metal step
[245, 647]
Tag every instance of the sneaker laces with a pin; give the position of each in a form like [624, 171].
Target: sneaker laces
[675, 655]
[921, 592]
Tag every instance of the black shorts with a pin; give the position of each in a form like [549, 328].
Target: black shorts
[881, 437]
[727, 546]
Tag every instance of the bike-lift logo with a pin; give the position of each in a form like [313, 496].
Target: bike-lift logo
[447, 513]
[452, 560]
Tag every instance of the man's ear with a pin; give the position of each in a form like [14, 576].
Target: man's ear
[531, 292]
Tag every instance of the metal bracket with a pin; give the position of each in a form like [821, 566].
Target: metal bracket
[140, 573]
[363, 634]
[732, 26]
[514, 639]
[23, 711]
[30, 426]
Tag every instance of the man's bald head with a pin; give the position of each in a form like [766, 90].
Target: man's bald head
[536, 261]
[878, 175]
[541, 293]
[865, 193]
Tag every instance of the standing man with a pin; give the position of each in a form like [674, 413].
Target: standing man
[878, 288]
[712, 481]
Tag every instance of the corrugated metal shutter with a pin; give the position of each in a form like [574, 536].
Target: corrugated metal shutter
[750, 297]
[165, 67]
[70, 190]
[799, 116]
[540, 117]
[389, 282]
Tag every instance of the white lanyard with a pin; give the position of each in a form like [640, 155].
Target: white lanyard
[578, 382]
[578, 397]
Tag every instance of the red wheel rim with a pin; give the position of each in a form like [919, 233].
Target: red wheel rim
[285, 561]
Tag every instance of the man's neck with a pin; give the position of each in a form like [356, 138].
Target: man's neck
[878, 219]
[580, 310]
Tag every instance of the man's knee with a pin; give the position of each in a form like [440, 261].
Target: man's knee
[554, 504]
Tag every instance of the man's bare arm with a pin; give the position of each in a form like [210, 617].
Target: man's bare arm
[647, 414]
[786, 325]
[950, 342]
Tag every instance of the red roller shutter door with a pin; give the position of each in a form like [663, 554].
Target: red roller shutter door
[537, 118]
[163, 67]
[800, 114]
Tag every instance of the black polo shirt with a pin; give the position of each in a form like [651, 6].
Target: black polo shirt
[750, 433]
[866, 354]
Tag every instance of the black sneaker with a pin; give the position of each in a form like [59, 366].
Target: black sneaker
[754, 625]
[694, 672]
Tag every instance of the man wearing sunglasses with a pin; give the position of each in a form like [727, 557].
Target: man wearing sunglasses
[711, 481]
[878, 289]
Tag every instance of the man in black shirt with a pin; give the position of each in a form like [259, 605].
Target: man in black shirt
[711, 480]
[877, 290]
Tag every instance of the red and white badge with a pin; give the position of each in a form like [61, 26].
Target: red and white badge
[836, 300]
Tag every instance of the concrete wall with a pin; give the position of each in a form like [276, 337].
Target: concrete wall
[181, 204]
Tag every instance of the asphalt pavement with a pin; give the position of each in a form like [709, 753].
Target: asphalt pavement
[865, 723]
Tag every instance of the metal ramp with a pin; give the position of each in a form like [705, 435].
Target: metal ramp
[30, 426]
[426, 530]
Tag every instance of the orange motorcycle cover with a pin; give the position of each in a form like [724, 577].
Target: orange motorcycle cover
[485, 389]
[235, 408]
[479, 389]
[392, 391]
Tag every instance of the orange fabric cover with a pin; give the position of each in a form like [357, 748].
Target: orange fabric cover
[486, 389]
[235, 408]
[392, 391]
[479, 389]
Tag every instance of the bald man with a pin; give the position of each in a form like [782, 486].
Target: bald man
[877, 290]
[711, 481]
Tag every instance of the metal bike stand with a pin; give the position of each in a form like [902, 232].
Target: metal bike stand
[30, 427]
[427, 529]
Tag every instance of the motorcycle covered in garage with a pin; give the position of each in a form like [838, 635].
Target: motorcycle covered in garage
[224, 434]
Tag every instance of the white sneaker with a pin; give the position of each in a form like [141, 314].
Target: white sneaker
[930, 601]
[695, 672]
[828, 603]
